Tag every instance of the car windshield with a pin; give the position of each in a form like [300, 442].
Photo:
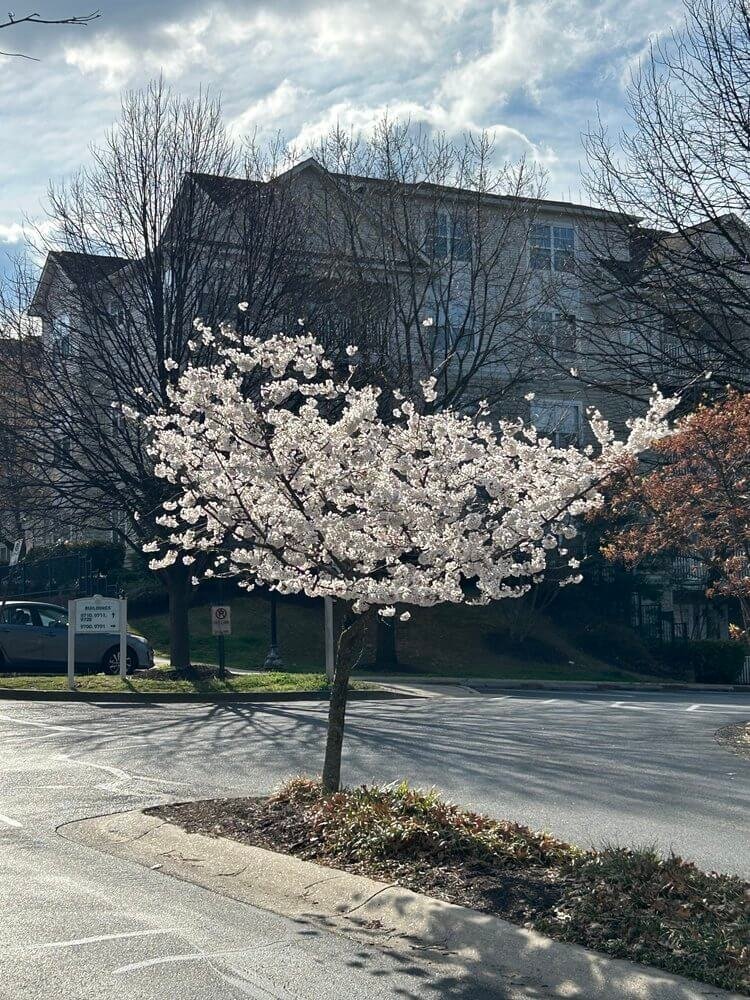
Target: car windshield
[53, 616]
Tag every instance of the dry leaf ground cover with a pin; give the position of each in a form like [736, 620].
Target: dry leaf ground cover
[633, 904]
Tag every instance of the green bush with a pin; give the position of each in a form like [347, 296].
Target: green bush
[706, 661]
[399, 822]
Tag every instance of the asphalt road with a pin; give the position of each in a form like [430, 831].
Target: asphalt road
[77, 924]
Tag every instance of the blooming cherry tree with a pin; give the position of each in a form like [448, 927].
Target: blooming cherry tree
[288, 476]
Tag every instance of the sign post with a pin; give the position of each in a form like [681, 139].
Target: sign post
[71, 645]
[123, 638]
[97, 615]
[221, 625]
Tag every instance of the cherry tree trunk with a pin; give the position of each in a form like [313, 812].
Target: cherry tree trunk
[349, 651]
[177, 581]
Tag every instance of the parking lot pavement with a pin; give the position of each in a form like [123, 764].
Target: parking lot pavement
[590, 767]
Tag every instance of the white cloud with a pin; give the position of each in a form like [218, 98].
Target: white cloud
[11, 232]
[363, 118]
[530, 71]
[268, 111]
[108, 58]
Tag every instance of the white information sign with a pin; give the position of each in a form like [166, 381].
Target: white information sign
[97, 614]
[221, 619]
[15, 552]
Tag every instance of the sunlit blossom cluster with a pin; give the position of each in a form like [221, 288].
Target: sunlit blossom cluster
[286, 475]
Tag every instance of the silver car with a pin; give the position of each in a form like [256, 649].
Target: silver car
[34, 636]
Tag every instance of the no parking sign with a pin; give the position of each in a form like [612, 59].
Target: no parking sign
[221, 619]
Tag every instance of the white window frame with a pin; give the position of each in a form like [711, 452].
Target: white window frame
[550, 247]
[443, 220]
[61, 340]
[560, 439]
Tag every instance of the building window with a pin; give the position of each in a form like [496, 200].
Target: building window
[455, 322]
[448, 237]
[557, 419]
[556, 332]
[552, 248]
[119, 315]
[117, 421]
[61, 450]
[61, 342]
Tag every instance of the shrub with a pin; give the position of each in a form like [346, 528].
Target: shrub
[106, 557]
[707, 661]
[372, 824]
[145, 594]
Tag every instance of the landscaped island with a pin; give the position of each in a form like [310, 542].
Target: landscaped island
[630, 904]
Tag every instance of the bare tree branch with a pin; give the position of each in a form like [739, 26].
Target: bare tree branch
[80, 20]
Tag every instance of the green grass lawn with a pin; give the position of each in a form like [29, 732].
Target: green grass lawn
[102, 683]
[441, 641]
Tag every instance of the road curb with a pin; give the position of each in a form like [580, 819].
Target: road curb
[18, 694]
[484, 685]
[453, 940]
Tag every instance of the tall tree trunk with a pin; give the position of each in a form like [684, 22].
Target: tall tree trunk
[177, 581]
[349, 650]
[386, 656]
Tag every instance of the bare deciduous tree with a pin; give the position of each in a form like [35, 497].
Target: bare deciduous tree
[428, 240]
[673, 277]
[171, 221]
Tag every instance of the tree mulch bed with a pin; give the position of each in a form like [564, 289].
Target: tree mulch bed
[632, 904]
[735, 738]
[516, 896]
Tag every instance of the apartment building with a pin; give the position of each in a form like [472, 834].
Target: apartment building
[488, 293]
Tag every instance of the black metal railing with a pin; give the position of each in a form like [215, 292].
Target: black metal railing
[71, 575]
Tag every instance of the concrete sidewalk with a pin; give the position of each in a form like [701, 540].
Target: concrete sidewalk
[499, 958]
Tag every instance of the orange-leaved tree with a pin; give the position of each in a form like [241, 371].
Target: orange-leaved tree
[695, 500]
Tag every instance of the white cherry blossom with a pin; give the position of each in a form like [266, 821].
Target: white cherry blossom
[289, 477]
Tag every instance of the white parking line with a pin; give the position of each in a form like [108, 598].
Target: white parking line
[38, 725]
[9, 821]
[73, 943]
[693, 708]
[183, 957]
[117, 772]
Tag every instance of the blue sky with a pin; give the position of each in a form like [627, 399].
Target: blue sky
[531, 71]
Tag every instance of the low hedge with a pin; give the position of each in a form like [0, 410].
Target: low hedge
[706, 661]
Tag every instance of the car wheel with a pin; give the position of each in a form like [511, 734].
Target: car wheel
[111, 660]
